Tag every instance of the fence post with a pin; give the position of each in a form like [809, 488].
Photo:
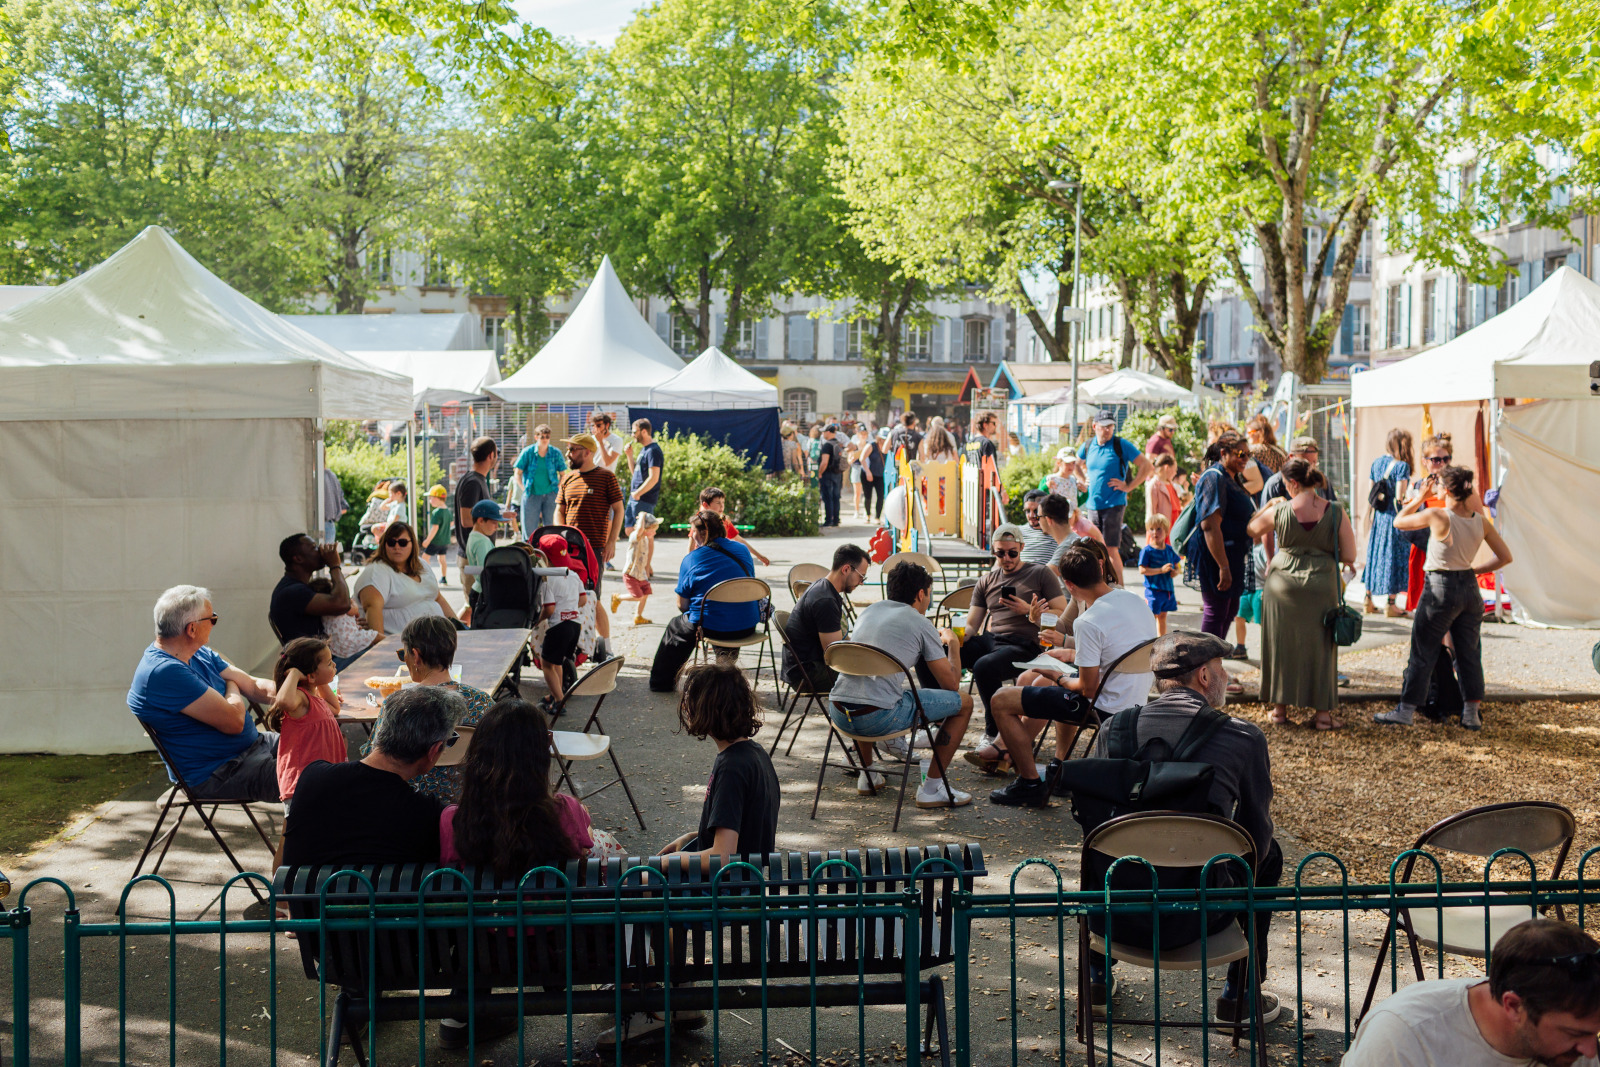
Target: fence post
[19, 919]
[911, 943]
[72, 991]
[961, 915]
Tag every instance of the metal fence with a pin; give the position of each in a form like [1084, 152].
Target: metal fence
[167, 990]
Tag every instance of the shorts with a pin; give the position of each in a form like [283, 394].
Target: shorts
[880, 722]
[636, 586]
[440, 551]
[560, 642]
[1160, 600]
[1109, 522]
[631, 512]
[1057, 704]
[855, 474]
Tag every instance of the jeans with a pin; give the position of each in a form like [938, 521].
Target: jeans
[251, 775]
[1451, 603]
[1218, 608]
[537, 510]
[832, 485]
[330, 530]
[989, 657]
[937, 705]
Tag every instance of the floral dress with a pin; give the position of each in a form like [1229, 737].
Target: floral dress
[1387, 553]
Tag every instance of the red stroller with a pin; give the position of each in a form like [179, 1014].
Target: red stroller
[583, 561]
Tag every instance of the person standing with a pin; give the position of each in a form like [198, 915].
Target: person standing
[1160, 443]
[1305, 448]
[938, 444]
[334, 505]
[1385, 574]
[830, 473]
[436, 542]
[1104, 463]
[1161, 491]
[647, 468]
[794, 454]
[590, 501]
[538, 469]
[872, 468]
[1437, 453]
[472, 487]
[1222, 508]
[855, 455]
[1451, 600]
[813, 445]
[1299, 661]
[613, 450]
[906, 436]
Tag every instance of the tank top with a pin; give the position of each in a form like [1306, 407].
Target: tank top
[1456, 554]
[303, 741]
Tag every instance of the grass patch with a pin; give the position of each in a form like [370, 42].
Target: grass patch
[41, 795]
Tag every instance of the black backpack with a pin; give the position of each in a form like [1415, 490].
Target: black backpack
[1380, 496]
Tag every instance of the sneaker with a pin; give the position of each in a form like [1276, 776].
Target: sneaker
[1030, 793]
[869, 782]
[931, 794]
[1342, 680]
[1239, 652]
[1052, 776]
[1471, 719]
[896, 748]
[453, 1032]
[1397, 717]
[639, 1026]
[1099, 994]
[1229, 1008]
[616, 602]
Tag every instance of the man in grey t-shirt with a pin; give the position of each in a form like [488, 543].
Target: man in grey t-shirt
[877, 707]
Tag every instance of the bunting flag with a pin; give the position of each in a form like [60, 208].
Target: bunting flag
[1427, 421]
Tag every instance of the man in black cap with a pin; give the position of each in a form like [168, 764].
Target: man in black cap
[830, 472]
[1189, 677]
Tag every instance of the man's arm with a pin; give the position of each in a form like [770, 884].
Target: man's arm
[253, 688]
[1143, 471]
[613, 528]
[338, 601]
[945, 674]
[650, 483]
[225, 714]
[1087, 682]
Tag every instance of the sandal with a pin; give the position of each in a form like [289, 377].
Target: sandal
[1277, 720]
[1324, 721]
[1235, 687]
[990, 759]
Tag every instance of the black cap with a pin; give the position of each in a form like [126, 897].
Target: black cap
[1181, 651]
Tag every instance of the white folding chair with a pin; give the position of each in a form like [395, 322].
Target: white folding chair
[591, 742]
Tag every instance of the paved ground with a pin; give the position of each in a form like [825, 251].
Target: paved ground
[668, 770]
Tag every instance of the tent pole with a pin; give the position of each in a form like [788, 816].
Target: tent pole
[1500, 613]
[411, 472]
[319, 496]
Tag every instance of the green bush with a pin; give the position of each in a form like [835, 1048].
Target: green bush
[359, 466]
[784, 506]
[1189, 443]
[776, 506]
[1020, 474]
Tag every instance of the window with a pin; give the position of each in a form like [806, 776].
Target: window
[684, 340]
[746, 346]
[1360, 328]
[1364, 255]
[496, 333]
[858, 338]
[975, 340]
[382, 263]
[916, 342]
[1430, 310]
[798, 404]
[436, 270]
[854, 399]
[1508, 294]
[1396, 321]
[1203, 335]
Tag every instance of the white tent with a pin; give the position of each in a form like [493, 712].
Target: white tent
[605, 352]
[1544, 456]
[394, 332]
[440, 377]
[159, 428]
[712, 380]
[1129, 386]
[12, 295]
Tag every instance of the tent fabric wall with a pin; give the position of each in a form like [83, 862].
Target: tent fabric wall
[1372, 426]
[100, 517]
[754, 433]
[1550, 450]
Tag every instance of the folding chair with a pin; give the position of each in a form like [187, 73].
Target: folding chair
[1184, 841]
[864, 661]
[742, 591]
[456, 754]
[580, 745]
[184, 805]
[1134, 661]
[813, 694]
[927, 562]
[800, 577]
[1531, 826]
[958, 599]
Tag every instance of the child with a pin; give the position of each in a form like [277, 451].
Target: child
[636, 575]
[437, 541]
[1157, 562]
[714, 499]
[303, 711]
[562, 597]
[347, 635]
[486, 519]
[1061, 481]
[1161, 493]
[740, 816]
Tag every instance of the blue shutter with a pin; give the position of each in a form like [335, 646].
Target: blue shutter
[1347, 331]
[997, 339]
[761, 339]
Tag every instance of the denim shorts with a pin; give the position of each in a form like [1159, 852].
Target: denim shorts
[937, 703]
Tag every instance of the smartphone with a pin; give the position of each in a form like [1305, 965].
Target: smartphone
[1008, 591]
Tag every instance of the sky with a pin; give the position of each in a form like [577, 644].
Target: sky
[590, 21]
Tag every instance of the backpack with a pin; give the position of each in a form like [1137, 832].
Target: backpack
[1380, 496]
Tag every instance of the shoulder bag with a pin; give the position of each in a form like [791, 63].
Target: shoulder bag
[1342, 620]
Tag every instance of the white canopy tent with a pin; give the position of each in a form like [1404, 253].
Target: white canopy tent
[455, 331]
[1129, 386]
[1514, 391]
[440, 377]
[712, 380]
[605, 353]
[160, 429]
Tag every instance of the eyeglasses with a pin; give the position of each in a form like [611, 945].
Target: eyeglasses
[212, 619]
[401, 654]
[1438, 459]
[399, 542]
[1007, 553]
[450, 741]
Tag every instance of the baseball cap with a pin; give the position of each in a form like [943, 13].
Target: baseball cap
[644, 519]
[1066, 452]
[1104, 416]
[1181, 651]
[554, 547]
[487, 509]
[1304, 444]
[583, 440]
[1167, 421]
[832, 427]
[1003, 531]
[438, 491]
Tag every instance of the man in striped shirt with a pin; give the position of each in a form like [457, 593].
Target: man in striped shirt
[590, 500]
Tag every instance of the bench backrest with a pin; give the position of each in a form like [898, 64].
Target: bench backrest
[796, 890]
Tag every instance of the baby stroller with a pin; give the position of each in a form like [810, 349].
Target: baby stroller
[578, 552]
[506, 597]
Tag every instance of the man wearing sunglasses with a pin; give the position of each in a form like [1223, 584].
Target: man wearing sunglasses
[1539, 1006]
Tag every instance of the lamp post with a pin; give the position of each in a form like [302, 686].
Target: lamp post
[1077, 247]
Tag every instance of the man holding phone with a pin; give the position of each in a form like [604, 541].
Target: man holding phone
[1006, 605]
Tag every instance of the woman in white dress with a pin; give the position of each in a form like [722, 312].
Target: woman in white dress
[395, 587]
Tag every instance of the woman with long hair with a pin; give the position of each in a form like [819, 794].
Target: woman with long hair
[1387, 553]
[395, 587]
[938, 443]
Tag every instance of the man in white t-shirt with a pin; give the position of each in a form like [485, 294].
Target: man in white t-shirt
[1540, 1005]
[613, 448]
[1115, 622]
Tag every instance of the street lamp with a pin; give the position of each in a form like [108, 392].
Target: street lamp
[1076, 354]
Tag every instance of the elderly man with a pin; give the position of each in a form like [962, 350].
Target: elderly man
[197, 703]
[297, 610]
[1104, 462]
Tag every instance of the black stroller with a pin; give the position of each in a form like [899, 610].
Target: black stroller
[506, 597]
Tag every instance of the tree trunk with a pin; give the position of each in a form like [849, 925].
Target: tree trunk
[730, 331]
[703, 311]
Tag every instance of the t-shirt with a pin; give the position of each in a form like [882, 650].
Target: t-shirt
[312, 737]
[358, 815]
[472, 488]
[1037, 546]
[707, 566]
[833, 449]
[1429, 1024]
[1158, 557]
[1158, 444]
[564, 591]
[742, 794]
[1274, 488]
[540, 473]
[1105, 462]
[1214, 492]
[1061, 549]
[615, 443]
[571, 816]
[1113, 625]
[163, 685]
[981, 447]
[586, 498]
[478, 546]
[872, 458]
[1062, 485]
[649, 456]
[1029, 580]
[902, 632]
[287, 609]
[907, 438]
[439, 517]
[820, 610]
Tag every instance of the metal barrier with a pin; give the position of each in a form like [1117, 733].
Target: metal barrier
[1038, 925]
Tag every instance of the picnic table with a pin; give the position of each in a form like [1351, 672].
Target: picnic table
[485, 659]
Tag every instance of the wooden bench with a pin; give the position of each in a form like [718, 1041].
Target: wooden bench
[640, 933]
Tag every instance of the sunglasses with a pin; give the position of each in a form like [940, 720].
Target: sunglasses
[212, 619]
[401, 542]
[1438, 459]
[1007, 553]
[450, 741]
[401, 654]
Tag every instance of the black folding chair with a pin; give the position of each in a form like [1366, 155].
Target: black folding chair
[808, 690]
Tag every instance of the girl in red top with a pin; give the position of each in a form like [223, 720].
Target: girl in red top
[303, 711]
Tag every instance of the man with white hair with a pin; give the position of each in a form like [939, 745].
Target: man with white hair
[197, 703]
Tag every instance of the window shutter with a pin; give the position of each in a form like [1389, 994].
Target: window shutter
[997, 339]
[664, 327]
[808, 337]
[841, 340]
[1347, 331]
[1405, 313]
[1449, 301]
[936, 339]
[761, 339]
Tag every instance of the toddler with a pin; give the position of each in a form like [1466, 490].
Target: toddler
[347, 635]
[562, 598]
[636, 575]
[1158, 562]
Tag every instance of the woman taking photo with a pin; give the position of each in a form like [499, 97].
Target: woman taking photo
[1222, 508]
[1388, 555]
[1451, 600]
[1307, 540]
[395, 587]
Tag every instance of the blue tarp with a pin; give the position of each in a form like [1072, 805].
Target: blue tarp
[753, 432]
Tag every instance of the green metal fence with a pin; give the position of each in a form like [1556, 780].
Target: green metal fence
[167, 990]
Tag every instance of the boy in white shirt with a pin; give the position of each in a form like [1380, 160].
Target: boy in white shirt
[562, 598]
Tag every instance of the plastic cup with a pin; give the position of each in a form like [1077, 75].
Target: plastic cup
[455, 673]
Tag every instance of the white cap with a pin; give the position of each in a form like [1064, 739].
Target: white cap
[1005, 530]
[1066, 452]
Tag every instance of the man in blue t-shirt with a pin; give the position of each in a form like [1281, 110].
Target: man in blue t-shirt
[197, 704]
[1103, 464]
[647, 468]
[712, 559]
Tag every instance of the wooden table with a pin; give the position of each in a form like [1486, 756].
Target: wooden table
[486, 659]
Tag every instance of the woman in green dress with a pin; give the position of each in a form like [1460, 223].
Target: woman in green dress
[1308, 538]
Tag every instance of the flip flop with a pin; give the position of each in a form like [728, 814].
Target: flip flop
[1317, 723]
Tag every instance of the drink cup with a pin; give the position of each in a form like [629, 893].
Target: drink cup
[455, 673]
